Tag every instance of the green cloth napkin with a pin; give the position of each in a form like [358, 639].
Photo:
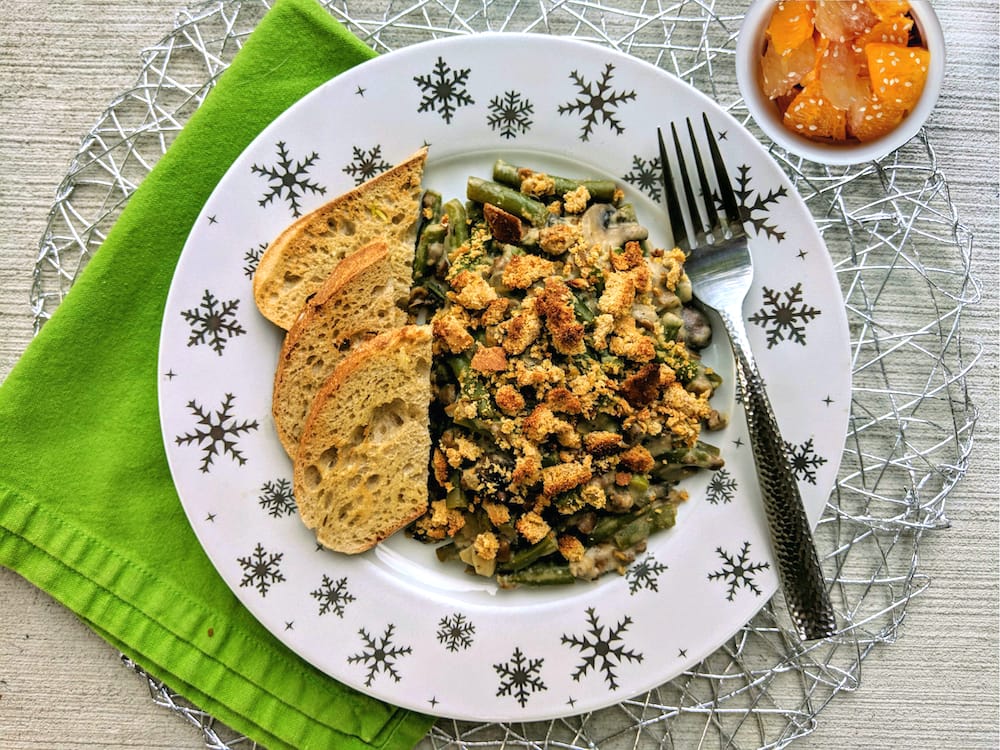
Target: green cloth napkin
[88, 511]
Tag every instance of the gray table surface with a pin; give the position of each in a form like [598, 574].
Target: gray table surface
[61, 686]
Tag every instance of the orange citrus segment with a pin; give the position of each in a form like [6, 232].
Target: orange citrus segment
[893, 30]
[870, 119]
[898, 73]
[840, 70]
[843, 20]
[782, 72]
[888, 8]
[813, 115]
[791, 24]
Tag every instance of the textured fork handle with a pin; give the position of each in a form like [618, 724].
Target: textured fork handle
[799, 570]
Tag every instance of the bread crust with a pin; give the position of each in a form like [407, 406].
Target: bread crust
[360, 470]
[296, 264]
[359, 300]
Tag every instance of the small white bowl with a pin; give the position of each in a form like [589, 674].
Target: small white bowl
[749, 50]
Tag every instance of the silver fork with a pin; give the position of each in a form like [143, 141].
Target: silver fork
[721, 270]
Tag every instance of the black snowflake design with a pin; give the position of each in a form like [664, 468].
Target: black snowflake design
[721, 487]
[251, 259]
[803, 460]
[287, 180]
[600, 642]
[645, 175]
[213, 322]
[455, 632]
[444, 90]
[597, 102]
[218, 432]
[738, 571]
[510, 114]
[332, 596]
[379, 655]
[755, 208]
[366, 164]
[261, 569]
[645, 574]
[277, 498]
[520, 677]
[784, 316]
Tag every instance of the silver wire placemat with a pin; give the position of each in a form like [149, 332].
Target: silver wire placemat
[901, 254]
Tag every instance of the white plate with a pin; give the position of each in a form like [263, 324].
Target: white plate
[395, 623]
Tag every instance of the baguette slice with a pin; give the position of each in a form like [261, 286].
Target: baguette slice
[360, 471]
[300, 259]
[359, 300]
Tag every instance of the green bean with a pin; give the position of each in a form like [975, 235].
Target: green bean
[456, 495]
[672, 473]
[551, 574]
[447, 552]
[626, 529]
[459, 364]
[435, 287]
[522, 558]
[476, 425]
[638, 484]
[458, 226]
[662, 448]
[608, 526]
[431, 199]
[582, 309]
[602, 191]
[508, 199]
[703, 455]
[430, 234]
[672, 325]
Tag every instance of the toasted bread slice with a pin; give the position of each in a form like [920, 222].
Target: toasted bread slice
[361, 468]
[298, 262]
[359, 300]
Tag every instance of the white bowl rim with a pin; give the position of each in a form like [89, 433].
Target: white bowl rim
[764, 113]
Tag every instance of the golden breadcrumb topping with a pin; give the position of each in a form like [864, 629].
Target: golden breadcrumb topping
[563, 383]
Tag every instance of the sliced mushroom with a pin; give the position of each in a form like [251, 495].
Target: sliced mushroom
[603, 224]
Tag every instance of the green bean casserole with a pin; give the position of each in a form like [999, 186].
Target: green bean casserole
[569, 393]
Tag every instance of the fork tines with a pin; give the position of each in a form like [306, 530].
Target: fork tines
[704, 216]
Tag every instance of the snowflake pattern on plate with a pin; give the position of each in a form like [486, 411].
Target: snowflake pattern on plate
[366, 163]
[380, 654]
[443, 90]
[784, 316]
[737, 571]
[803, 460]
[287, 179]
[277, 498]
[261, 569]
[645, 574]
[597, 102]
[251, 259]
[721, 487]
[213, 322]
[218, 432]
[455, 632]
[520, 677]
[646, 174]
[332, 596]
[510, 114]
[603, 648]
[756, 207]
